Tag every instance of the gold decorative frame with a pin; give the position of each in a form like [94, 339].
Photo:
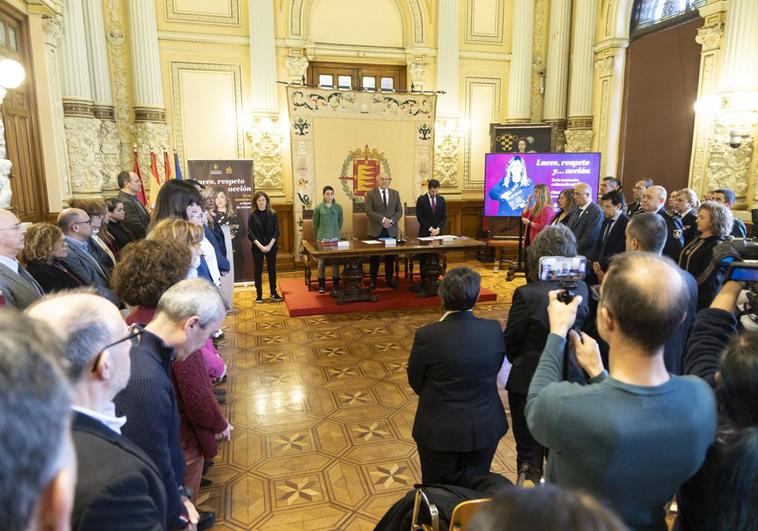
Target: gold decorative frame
[173, 15]
[472, 36]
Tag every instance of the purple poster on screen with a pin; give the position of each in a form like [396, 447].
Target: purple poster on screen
[510, 178]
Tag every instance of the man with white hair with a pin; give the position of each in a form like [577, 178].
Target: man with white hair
[18, 287]
[654, 202]
[119, 486]
[586, 221]
[186, 315]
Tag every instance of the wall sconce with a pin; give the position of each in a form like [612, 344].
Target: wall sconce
[12, 74]
[736, 111]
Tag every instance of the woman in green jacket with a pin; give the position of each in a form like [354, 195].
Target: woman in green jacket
[327, 225]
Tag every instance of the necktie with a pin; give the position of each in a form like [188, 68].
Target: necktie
[29, 279]
[607, 229]
[384, 199]
[434, 205]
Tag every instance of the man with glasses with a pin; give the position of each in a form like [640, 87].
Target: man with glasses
[77, 229]
[119, 486]
[18, 287]
[186, 315]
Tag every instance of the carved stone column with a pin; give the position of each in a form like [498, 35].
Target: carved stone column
[556, 77]
[265, 134]
[80, 125]
[149, 110]
[100, 80]
[579, 133]
[520, 74]
[610, 59]
[120, 66]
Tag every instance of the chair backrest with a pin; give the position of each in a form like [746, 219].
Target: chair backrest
[463, 513]
[360, 226]
[308, 230]
[412, 227]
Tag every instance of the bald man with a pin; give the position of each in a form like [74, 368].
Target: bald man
[654, 202]
[17, 285]
[661, 423]
[586, 221]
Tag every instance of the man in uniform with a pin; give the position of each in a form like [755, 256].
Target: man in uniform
[635, 207]
[654, 201]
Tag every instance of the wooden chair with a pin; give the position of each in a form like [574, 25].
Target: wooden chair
[464, 512]
[360, 232]
[412, 227]
[308, 262]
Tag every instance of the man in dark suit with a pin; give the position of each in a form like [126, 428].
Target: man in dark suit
[136, 217]
[726, 197]
[384, 211]
[119, 486]
[17, 285]
[635, 207]
[612, 233]
[654, 201]
[431, 211]
[585, 221]
[453, 367]
[77, 229]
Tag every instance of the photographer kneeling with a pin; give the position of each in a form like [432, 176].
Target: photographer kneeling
[631, 438]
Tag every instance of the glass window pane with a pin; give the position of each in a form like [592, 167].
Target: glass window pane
[369, 83]
[12, 43]
[388, 83]
[345, 81]
[325, 80]
[2, 33]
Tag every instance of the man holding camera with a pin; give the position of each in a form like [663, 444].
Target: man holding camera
[653, 429]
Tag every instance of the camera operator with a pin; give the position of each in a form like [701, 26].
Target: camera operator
[718, 497]
[525, 336]
[633, 437]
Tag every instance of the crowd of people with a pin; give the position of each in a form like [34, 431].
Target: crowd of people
[635, 387]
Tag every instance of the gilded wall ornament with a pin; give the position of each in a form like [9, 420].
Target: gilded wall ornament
[297, 65]
[82, 140]
[578, 140]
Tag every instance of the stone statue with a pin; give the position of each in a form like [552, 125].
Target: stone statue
[5, 183]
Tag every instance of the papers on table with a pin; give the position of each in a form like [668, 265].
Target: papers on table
[432, 238]
[372, 242]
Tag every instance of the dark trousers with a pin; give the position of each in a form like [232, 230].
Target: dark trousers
[389, 260]
[528, 450]
[270, 267]
[454, 468]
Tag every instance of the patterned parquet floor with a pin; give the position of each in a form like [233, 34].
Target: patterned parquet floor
[322, 415]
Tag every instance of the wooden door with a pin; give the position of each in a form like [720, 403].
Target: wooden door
[20, 119]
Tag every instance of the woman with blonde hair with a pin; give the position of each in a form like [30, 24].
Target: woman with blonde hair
[538, 212]
[182, 231]
[43, 252]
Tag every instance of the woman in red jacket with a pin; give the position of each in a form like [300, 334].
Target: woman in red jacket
[537, 213]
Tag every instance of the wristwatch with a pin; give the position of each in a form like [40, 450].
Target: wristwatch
[600, 377]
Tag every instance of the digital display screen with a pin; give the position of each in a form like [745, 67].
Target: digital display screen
[562, 267]
[510, 178]
[743, 272]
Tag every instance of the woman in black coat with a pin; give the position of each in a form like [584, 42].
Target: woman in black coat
[686, 206]
[263, 231]
[565, 207]
[44, 250]
[525, 336]
[453, 367]
[116, 228]
[714, 223]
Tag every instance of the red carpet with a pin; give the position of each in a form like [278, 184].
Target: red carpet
[301, 302]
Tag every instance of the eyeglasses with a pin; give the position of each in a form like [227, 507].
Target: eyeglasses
[135, 334]
[85, 221]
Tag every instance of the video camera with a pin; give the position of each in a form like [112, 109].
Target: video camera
[565, 269]
[740, 259]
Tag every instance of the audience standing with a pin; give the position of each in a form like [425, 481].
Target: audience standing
[686, 208]
[525, 334]
[726, 197]
[653, 201]
[612, 233]
[565, 207]
[119, 486]
[327, 225]
[586, 221]
[635, 207]
[640, 414]
[18, 287]
[537, 213]
[453, 367]
[714, 223]
[608, 184]
[136, 216]
[37, 457]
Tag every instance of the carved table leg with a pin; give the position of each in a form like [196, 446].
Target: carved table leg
[353, 290]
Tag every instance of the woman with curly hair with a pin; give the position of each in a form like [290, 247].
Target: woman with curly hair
[44, 250]
[714, 223]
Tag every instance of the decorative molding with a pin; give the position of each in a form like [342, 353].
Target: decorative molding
[208, 38]
[446, 151]
[77, 107]
[120, 67]
[232, 19]
[417, 72]
[82, 140]
[580, 122]
[364, 105]
[604, 65]
[605, 92]
[495, 82]
[267, 156]
[578, 140]
[703, 127]
[472, 36]
[297, 66]
[485, 56]
[728, 167]
[104, 112]
[176, 68]
[149, 114]
[110, 159]
[710, 37]
[558, 139]
[537, 99]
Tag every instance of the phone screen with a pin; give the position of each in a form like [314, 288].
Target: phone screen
[562, 267]
[743, 272]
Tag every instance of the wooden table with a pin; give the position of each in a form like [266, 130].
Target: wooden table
[358, 251]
